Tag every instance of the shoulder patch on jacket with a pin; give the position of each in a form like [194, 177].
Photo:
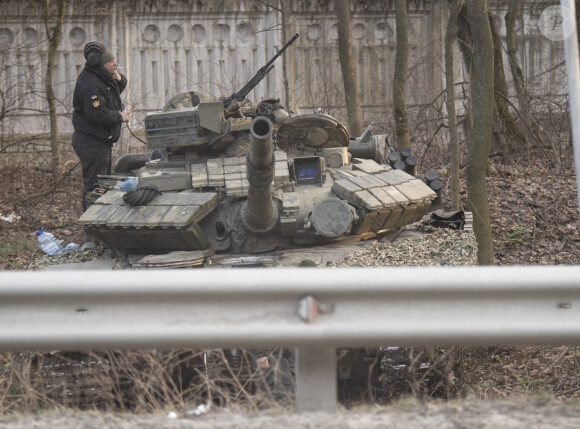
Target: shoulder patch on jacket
[95, 99]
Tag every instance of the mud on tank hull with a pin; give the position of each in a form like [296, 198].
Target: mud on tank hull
[260, 202]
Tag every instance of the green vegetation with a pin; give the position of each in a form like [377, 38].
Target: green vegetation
[519, 235]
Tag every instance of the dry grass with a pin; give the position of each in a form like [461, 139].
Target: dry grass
[150, 381]
[145, 381]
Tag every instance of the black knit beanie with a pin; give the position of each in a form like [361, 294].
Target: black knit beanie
[94, 52]
[107, 56]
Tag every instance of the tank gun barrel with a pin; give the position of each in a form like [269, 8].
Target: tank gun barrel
[260, 213]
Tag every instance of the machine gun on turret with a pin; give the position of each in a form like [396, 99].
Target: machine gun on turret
[231, 103]
[204, 123]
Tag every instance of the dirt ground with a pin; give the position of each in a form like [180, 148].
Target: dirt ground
[540, 414]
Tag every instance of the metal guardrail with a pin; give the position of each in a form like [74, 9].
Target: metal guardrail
[314, 310]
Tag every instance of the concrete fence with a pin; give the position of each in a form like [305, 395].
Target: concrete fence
[166, 48]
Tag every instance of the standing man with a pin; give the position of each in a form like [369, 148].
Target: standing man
[98, 114]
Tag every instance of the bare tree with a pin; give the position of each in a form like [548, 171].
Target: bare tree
[506, 130]
[53, 33]
[482, 93]
[517, 75]
[18, 91]
[353, 109]
[400, 77]
[450, 34]
[465, 42]
[284, 8]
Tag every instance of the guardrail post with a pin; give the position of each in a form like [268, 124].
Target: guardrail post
[316, 386]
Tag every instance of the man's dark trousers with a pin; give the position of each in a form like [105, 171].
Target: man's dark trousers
[95, 157]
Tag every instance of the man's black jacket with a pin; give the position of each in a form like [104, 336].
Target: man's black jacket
[97, 102]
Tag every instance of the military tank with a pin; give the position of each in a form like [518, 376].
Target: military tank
[224, 176]
[297, 185]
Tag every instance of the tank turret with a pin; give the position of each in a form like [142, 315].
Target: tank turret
[198, 126]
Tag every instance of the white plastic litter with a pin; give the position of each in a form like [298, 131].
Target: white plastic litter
[200, 410]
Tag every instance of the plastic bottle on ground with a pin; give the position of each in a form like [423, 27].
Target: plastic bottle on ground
[48, 242]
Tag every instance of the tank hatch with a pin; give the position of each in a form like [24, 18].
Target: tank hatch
[312, 132]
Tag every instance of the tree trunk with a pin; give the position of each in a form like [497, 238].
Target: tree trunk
[400, 77]
[353, 110]
[506, 124]
[516, 71]
[284, 6]
[482, 93]
[464, 37]
[465, 42]
[54, 36]
[450, 35]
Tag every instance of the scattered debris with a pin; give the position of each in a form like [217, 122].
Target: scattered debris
[84, 255]
[12, 217]
[244, 260]
[200, 410]
[181, 259]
